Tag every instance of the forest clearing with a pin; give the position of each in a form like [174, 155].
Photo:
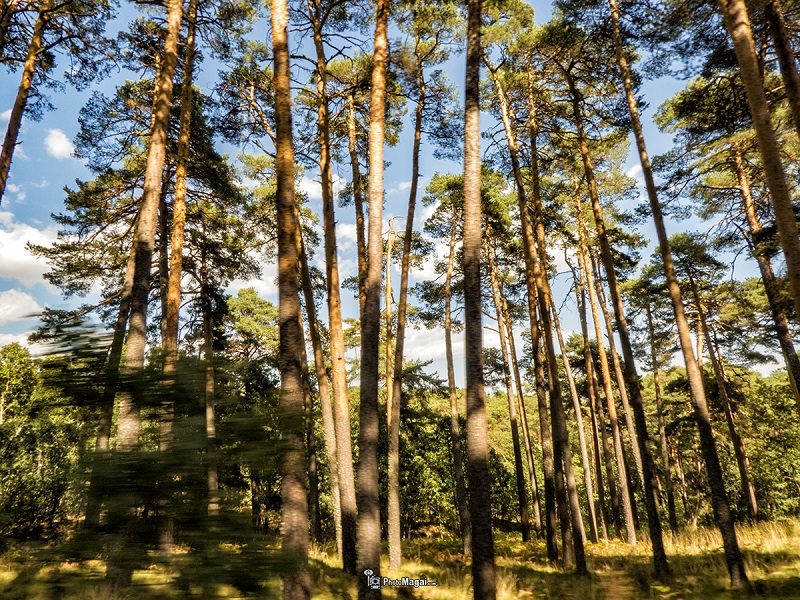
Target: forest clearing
[414, 299]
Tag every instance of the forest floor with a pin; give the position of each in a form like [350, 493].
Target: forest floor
[618, 571]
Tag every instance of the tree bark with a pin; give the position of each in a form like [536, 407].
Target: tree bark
[540, 271]
[598, 422]
[455, 428]
[328, 424]
[368, 533]
[358, 202]
[536, 257]
[526, 436]
[483, 567]
[739, 450]
[605, 373]
[631, 376]
[105, 420]
[776, 307]
[662, 429]
[144, 235]
[737, 23]
[522, 494]
[783, 49]
[618, 375]
[294, 506]
[21, 100]
[402, 308]
[179, 202]
[735, 17]
[576, 403]
[341, 407]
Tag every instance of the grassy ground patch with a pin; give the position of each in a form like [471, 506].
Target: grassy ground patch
[250, 569]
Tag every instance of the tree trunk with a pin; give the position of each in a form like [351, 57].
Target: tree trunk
[535, 258]
[605, 373]
[631, 376]
[144, 235]
[393, 390]
[662, 429]
[311, 446]
[369, 524]
[734, 13]
[105, 420]
[328, 425]
[736, 20]
[739, 450]
[776, 307]
[402, 307]
[358, 201]
[28, 71]
[522, 494]
[576, 403]
[483, 567]
[618, 375]
[294, 506]
[783, 49]
[341, 408]
[526, 436]
[455, 429]
[210, 390]
[179, 202]
[118, 571]
[598, 423]
[545, 298]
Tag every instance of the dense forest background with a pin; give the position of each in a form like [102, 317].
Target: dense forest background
[234, 397]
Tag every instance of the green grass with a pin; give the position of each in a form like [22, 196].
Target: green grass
[248, 569]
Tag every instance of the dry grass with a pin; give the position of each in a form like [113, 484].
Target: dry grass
[618, 571]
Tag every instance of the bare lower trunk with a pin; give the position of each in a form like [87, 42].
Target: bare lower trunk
[368, 532]
[483, 567]
[294, 504]
[576, 403]
[105, 419]
[618, 375]
[341, 407]
[328, 425]
[605, 373]
[631, 376]
[739, 450]
[455, 429]
[23, 91]
[210, 392]
[598, 423]
[526, 436]
[662, 429]
[522, 494]
[119, 572]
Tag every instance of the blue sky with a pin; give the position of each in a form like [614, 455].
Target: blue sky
[43, 164]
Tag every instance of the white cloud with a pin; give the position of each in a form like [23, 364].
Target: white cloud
[58, 145]
[5, 115]
[311, 187]
[13, 188]
[17, 262]
[16, 305]
[266, 286]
